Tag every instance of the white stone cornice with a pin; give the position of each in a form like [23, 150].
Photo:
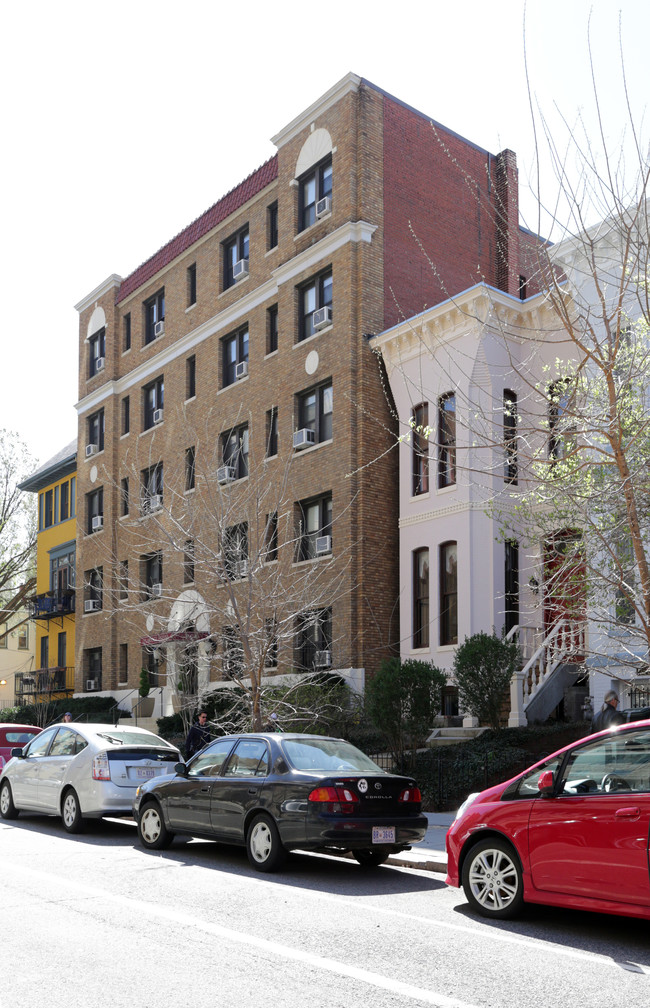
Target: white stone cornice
[112, 281]
[233, 315]
[343, 87]
[459, 507]
[352, 231]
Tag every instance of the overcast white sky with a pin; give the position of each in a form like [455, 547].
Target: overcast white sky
[123, 121]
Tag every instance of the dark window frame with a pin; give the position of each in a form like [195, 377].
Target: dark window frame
[190, 377]
[190, 468]
[191, 285]
[510, 444]
[153, 398]
[235, 449]
[235, 248]
[420, 450]
[151, 485]
[96, 351]
[319, 507]
[238, 342]
[94, 508]
[448, 594]
[272, 432]
[447, 447]
[313, 186]
[154, 312]
[272, 233]
[313, 633]
[421, 594]
[322, 288]
[95, 429]
[322, 421]
[272, 320]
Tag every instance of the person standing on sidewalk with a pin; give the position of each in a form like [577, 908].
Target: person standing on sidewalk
[198, 735]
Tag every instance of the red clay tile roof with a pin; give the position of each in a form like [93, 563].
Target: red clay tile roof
[236, 198]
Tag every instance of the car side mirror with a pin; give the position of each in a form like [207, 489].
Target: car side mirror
[546, 784]
[180, 769]
[17, 752]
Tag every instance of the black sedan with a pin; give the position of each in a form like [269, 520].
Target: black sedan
[274, 793]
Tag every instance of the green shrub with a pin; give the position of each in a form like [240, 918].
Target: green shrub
[483, 667]
[402, 700]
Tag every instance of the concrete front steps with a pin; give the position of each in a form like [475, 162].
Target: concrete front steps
[452, 736]
[150, 723]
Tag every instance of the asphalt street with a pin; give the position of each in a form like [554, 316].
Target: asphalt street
[94, 919]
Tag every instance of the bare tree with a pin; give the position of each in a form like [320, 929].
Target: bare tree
[231, 577]
[17, 515]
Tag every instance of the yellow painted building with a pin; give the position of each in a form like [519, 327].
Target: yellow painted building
[53, 606]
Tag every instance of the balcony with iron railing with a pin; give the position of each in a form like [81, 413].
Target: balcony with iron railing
[52, 604]
[44, 684]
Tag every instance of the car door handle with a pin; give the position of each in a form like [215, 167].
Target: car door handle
[628, 813]
[253, 790]
[206, 788]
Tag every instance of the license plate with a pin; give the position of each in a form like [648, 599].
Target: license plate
[383, 834]
[144, 773]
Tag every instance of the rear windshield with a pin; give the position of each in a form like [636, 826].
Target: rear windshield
[18, 737]
[131, 736]
[331, 755]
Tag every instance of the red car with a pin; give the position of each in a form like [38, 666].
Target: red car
[14, 735]
[572, 831]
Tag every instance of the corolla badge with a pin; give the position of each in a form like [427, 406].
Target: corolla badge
[362, 785]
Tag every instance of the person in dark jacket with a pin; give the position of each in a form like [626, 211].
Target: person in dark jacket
[608, 715]
[198, 735]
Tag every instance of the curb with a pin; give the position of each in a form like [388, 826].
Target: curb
[423, 863]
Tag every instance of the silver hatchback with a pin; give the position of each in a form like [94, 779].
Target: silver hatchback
[83, 771]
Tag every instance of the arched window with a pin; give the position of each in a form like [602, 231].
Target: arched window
[421, 598]
[448, 601]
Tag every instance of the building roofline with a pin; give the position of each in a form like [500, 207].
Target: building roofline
[112, 281]
[60, 465]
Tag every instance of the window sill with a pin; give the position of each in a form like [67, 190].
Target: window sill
[268, 458]
[273, 353]
[89, 458]
[312, 560]
[447, 489]
[447, 647]
[189, 490]
[314, 336]
[190, 307]
[314, 447]
[421, 496]
[234, 286]
[153, 427]
[192, 398]
[320, 220]
[126, 434]
[237, 381]
[271, 250]
[125, 352]
[267, 563]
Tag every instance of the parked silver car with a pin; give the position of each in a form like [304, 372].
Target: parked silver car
[81, 771]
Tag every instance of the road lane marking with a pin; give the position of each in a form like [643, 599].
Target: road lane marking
[173, 916]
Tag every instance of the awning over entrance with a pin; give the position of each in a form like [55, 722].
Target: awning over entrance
[171, 636]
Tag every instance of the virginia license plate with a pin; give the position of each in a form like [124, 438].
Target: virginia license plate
[383, 834]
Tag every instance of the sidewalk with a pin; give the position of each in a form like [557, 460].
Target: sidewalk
[430, 855]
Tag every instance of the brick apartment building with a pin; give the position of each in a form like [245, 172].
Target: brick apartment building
[234, 428]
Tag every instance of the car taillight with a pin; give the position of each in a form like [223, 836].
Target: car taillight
[411, 794]
[101, 768]
[340, 799]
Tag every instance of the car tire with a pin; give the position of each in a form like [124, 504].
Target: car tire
[152, 832]
[71, 812]
[265, 850]
[7, 808]
[492, 879]
[371, 858]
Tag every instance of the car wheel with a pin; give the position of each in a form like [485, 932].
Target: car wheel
[152, 831]
[371, 858]
[71, 813]
[492, 879]
[7, 808]
[263, 845]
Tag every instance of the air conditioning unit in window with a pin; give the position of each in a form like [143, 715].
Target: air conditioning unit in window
[240, 270]
[156, 590]
[154, 503]
[159, 328]
[91, 605]
[91, 449]
[303, 438]
[225, 474]
[97, 523]
[323, 659]
[99, 364]
[240, 568]
[241, 370]
[158, 416]
[323, 207]
[323, 545]
[322, 317]
[92, 684]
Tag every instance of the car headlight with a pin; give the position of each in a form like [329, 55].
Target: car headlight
[466, 804]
